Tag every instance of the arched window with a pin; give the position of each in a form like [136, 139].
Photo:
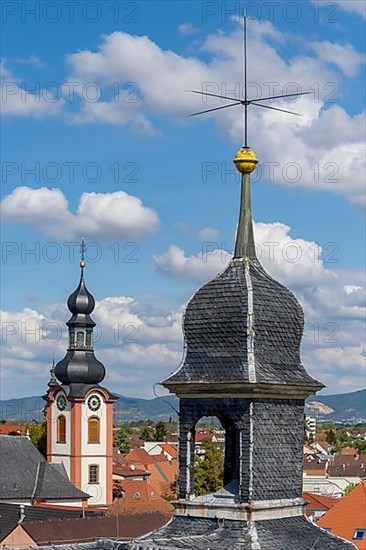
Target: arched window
[93, 430]
[72, 339]
[89, 338]
[61, 429]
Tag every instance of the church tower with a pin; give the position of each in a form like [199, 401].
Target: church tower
[242, 364]
[79, 412]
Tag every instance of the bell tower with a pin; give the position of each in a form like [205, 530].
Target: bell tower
[79, 412]
[242, 364]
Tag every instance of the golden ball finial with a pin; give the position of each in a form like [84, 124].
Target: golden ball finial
[82, 264]
[245, 160]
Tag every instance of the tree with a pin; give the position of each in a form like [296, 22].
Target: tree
[121, 439]
[38, 436]
[331, 437]
[349, 488]
[209, 471]
[147, 433]
[160, 431]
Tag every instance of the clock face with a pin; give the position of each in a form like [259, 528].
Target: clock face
[94, 402]
[61, 402]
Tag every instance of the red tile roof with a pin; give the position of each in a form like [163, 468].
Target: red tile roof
[200, 436]
[318, 503]
[348, 465]
[128, 470]
[140, 456]
[348, 515]
[163, 474]
[139, 497]
[349, 451]
[169, 449]
[13, 429]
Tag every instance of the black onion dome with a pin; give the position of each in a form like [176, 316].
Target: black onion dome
[80, 367]
[81, 301]
[243, 326]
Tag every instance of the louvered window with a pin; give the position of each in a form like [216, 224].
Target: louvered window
[93, 430]
[61, 429]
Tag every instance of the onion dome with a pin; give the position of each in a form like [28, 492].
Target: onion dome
[243, 329]
[81, 301]
[80, 366]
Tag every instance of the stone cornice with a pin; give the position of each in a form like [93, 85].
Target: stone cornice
[237, 390]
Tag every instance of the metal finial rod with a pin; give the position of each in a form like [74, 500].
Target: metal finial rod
[245, 79]
[82, 253]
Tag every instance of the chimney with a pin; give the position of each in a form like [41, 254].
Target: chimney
[21, 513]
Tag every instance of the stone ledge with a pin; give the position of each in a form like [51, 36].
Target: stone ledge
[255, 511]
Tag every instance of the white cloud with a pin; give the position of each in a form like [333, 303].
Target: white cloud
[187, 29]
[198, 267]
[344, 57]
[164, 76]
[30, 60]
[293, 261]
[116, 113]
[208, 233]
[140, 345]
[16, 101]
[99, 215]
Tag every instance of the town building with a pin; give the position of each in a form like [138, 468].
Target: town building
[79, 412]
[27, 478]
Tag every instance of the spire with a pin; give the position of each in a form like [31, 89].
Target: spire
[245, 162]
[53, 379]
[80, 364]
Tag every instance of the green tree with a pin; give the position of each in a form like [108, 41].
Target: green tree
[331, 437]
[160, 431]
[38, 436]
[147, 433]
[120, 440]
[360, 445]
[209, 471]
[349, 488]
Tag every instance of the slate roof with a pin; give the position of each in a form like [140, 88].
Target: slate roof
[9, 515]
[295, 533]
[25, 473]
[217, 322]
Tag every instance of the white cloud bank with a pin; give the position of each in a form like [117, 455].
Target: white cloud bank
[163, 79]
[98, 215]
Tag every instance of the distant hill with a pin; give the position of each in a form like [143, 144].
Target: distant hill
[127, 409]
[344, 407]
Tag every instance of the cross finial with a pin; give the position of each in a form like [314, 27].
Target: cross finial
[82, 253]
[53, 379]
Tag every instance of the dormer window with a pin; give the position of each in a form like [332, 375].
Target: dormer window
[358, 534]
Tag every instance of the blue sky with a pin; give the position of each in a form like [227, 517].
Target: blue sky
[152, 187]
